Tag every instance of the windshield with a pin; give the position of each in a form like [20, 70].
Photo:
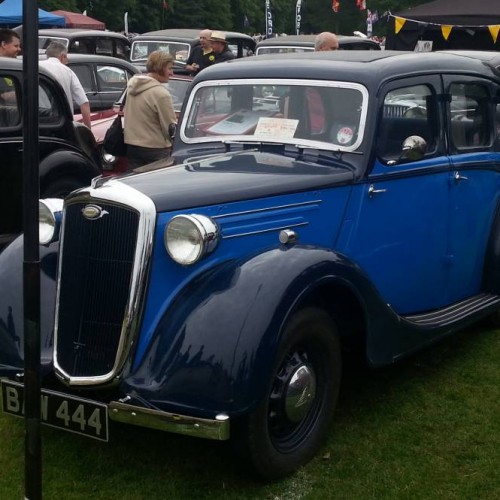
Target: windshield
[326, 115]
[141, 49]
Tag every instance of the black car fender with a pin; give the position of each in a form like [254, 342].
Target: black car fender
[11, 306]
[215, 346]
[63, 163]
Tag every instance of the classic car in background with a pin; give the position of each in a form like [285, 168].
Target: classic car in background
[103, 78]
[305, 43]
[78, 41]
[69, 157]
[180, 42]
[215, 297]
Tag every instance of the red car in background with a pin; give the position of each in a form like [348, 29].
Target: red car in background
[101, 120]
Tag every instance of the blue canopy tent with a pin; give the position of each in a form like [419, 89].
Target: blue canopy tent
[11, 14]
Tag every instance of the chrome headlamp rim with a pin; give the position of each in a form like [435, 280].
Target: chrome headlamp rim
[49, 219]
[208, 237]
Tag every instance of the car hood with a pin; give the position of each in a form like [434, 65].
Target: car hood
[234, 177]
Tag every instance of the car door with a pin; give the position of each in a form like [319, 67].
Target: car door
[474, 179]
[396, 225]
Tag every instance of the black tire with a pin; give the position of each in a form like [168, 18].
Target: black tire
[278, 438]
[62, 187]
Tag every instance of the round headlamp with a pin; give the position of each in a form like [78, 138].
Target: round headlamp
[49, 219]
[189, 237]
[108, 160]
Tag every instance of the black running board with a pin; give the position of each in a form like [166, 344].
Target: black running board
[455, 312]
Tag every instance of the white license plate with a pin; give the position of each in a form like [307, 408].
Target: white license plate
[73, 414]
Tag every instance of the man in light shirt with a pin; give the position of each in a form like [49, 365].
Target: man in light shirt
[57, 58]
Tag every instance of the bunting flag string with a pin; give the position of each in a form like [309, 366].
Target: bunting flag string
[446, 29]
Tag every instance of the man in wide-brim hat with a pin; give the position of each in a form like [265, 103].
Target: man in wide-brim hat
[220, 48]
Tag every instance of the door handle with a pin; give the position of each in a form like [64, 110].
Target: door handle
[372, 191]
[459, 177]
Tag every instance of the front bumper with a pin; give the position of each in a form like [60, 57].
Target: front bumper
[217, 428]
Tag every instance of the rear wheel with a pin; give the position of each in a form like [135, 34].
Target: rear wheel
[290, 423]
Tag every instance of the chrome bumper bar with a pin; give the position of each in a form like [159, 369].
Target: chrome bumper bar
[180, 424]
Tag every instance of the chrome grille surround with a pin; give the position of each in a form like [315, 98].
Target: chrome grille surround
[122, 197]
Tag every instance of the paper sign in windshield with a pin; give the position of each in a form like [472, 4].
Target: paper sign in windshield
[277, 128]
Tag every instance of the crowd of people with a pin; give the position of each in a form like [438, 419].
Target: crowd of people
[149, 116]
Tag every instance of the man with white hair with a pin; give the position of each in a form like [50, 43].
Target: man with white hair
[326, 41]
[202, 55]
[57, 58]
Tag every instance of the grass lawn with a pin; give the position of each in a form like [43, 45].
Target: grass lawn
[426, 428]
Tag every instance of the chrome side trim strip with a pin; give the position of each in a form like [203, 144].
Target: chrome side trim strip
[268, 209]
[260, 231]
[217, 428]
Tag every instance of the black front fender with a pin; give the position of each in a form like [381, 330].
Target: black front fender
[215, 346]
[11, 306]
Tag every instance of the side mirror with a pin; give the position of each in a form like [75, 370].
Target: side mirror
[413, 149]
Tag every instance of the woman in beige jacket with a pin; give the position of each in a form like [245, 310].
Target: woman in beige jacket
[149, 112]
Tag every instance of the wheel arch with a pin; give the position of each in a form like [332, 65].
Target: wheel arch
[256, 298]
[64, 164]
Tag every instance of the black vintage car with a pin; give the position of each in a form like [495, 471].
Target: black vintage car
[305, 43]
[69, 158]
[180, 42]
[216, 297]
[79, 41]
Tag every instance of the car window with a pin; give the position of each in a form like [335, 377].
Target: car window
[104, 47]
[407, 111]
[469, 115]
[111, 78]
[82, 46]
[141, 49]
[10, 115]
[330, 114]
[45, 41]
[49, 110]
[122, 49]
[84, 74]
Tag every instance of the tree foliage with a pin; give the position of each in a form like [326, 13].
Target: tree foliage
[149, 15]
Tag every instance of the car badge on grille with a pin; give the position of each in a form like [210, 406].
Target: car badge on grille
[93, 212]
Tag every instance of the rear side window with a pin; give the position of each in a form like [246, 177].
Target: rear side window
[470, 124]
[84, 74]
[111, 78]
[10, 115]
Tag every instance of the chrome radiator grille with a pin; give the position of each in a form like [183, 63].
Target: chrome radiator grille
[96, 270]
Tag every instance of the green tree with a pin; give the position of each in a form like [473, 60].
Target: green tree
[50, 5]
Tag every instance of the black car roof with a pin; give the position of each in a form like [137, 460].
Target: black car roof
[187, 35]
[16, 64]
[308, 41]
[363, 66]
[75, 32]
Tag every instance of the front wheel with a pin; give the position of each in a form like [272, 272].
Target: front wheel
[289, 425]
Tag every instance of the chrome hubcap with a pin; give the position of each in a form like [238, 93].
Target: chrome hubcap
[300, 393]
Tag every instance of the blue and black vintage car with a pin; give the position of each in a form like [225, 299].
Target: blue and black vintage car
[319, 202]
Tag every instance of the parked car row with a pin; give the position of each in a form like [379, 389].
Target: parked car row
[301, 219]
